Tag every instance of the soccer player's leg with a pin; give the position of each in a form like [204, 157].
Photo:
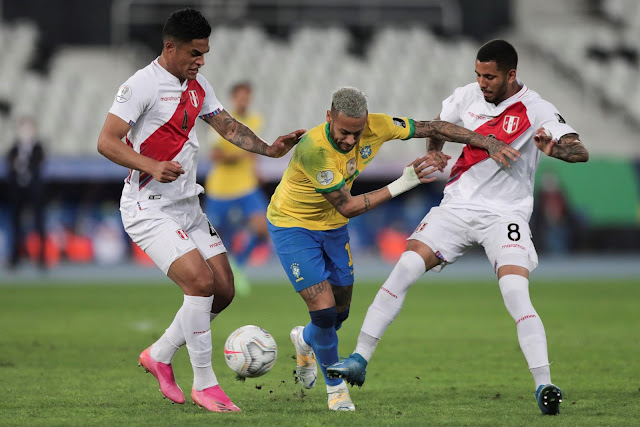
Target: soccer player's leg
[509, 246]
[301, 254]
[163, 239]
[448, 243]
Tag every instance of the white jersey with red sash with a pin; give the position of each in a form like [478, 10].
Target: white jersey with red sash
[162, 113]
[479, 183]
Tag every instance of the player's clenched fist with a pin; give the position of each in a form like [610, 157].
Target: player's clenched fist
[167, 171]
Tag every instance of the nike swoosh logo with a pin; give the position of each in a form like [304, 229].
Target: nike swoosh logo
[325, 366]
[231, 352]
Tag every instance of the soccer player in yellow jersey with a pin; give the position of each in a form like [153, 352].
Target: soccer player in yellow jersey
[309, 211]
[232, 187]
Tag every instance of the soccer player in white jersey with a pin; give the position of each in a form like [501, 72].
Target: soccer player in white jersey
[156, 110]
[486, 203]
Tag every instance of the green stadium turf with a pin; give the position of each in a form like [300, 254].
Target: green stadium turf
[68, 356]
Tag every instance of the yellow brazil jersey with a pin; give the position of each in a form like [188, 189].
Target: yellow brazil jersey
[318, 166]
[230, 181]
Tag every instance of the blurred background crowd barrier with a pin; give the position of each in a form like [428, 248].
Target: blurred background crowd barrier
[64, 61]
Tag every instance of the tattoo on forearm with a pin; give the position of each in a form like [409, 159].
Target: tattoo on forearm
[236, 133]
[570, 149]
[435, 144]
[312, 292]
[367, 203]
[448, 131]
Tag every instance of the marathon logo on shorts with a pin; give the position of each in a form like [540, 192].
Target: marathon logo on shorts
[510, 124]
[182, 234]
[193, 95]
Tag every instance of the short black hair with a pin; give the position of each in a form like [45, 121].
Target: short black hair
[501, 52]
[185, 25]
[245, 84]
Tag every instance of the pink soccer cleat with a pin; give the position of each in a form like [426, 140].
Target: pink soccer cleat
[164, 375]
[213, 399]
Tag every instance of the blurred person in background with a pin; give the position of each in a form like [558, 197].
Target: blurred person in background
[486, 203]
[232, 188]
[310, 210]
[26, 188]
[552, 216]
[155, 110]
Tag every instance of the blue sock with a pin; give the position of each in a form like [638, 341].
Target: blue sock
[321, 335]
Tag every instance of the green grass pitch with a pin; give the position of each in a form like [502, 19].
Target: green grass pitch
[68, 356]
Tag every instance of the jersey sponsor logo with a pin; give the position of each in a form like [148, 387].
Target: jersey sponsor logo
[169, 98]
[193, 96]
[365, 152]
[324, 177]
[510, 124]
[295, 270]
[479, 116]
[514, 245]
[124, 94]
[351, 166]
[182, 234]
[389, 292]
[560, 118]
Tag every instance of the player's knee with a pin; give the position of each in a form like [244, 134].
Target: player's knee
[325, 318]
[341, 316]
[202, 285]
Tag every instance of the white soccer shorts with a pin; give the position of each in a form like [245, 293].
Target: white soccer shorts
[167, 232]
[450, 232]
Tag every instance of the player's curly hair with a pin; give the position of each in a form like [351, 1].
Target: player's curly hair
[501, 52]
[185, 25]
[350, 101]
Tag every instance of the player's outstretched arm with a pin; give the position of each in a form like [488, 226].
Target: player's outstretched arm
[416, 173]
[568, 148]
[111, 146]
[243, 137]
[438, 129]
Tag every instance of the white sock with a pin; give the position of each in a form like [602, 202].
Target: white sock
[531, 335]
[342, 387]
[388, 302]
[170, 342]
[197, 331]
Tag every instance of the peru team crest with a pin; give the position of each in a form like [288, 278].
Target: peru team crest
[510, 124]
[193, 95]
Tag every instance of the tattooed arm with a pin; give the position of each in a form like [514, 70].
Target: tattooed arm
[350, 206]
[243, 137]
[568, 148]
[445, 131]
[434, 147]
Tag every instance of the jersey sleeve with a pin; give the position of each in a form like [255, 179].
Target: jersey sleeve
[134, 98]
[548, 117]
[390, 128]
[451, 107]
[321, 169]
[210, 106]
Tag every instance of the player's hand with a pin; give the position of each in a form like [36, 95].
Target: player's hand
[439, 158]
[167, 171]
[423, 167]
[501, 152]
[284, 143]
[544, 141]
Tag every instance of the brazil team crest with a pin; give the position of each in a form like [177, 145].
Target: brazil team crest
[365, 152]
[295, 270]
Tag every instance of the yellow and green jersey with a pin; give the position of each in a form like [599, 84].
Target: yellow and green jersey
[318, 166]
[230, 181]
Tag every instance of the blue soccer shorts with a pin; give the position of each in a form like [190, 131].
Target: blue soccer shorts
[219, 210]
[310, 257]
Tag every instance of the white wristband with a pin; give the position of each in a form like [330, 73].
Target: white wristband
[406, 182]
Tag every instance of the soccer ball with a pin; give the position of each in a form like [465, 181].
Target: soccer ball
[250, 351]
